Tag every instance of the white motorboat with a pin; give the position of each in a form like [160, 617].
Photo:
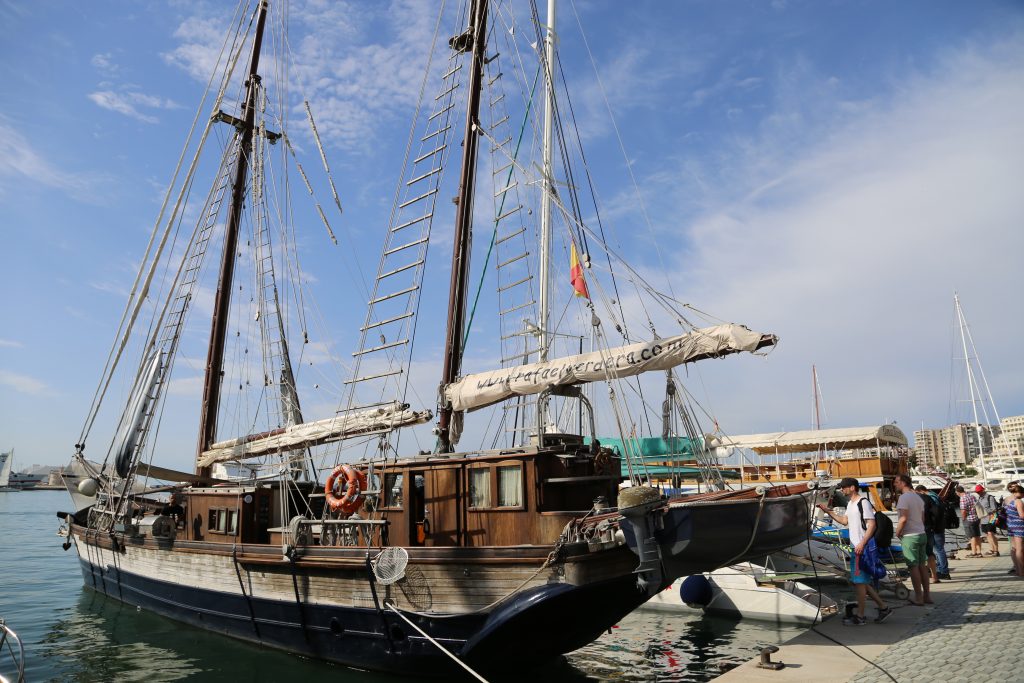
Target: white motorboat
[746, 591]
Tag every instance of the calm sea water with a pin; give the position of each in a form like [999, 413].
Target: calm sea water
[71, 633]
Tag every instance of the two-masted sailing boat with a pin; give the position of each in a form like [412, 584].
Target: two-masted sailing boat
[402, 560]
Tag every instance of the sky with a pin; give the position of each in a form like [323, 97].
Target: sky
[830, 172]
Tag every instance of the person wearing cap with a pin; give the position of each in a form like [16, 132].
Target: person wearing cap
[972, 525]
[862, 531]
[987, 506]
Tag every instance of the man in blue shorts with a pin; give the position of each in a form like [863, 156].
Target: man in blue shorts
[860, 519]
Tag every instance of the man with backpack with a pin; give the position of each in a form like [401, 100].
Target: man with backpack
[935, 528]
[910, 531]
[864, 560]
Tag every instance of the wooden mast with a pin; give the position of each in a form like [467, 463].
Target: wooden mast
[477, 35]
[222, 302]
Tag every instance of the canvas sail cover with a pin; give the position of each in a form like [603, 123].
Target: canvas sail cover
[487, 388]
[315, 433]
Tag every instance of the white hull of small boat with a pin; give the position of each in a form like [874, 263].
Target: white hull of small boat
[747, 592]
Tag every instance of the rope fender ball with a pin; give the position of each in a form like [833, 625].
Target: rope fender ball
[351, 497]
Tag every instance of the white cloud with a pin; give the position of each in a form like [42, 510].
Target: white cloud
[129, 103]
[19, 158]
[24, 384]
[850, 247]
[9, 343]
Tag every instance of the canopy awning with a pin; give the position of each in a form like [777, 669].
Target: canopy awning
[813, 439]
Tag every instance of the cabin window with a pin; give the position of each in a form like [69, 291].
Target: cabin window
[480, 487]
[223, 521]
[393, 489]
[510, 486]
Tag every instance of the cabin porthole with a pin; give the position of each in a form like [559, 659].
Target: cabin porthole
[336, 627]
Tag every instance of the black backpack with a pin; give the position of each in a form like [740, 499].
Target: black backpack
[951, 514]
[883, 527]
[934, 515]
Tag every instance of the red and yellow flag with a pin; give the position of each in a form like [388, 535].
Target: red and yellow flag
[576, 274]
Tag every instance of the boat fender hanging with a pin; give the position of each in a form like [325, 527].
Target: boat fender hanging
[351, 497]
[696, 591]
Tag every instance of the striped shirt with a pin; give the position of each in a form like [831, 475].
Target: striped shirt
[967, 502]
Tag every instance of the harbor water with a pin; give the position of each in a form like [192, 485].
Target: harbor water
[71, 633]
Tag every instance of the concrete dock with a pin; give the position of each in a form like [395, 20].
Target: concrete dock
[973, 631]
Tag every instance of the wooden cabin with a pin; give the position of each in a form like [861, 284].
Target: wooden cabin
[521, 496]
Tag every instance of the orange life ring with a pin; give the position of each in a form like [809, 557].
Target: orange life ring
[352, 496]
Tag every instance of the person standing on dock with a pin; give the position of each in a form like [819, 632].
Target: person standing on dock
[972, 525]
[1014, 506]
[936, 532]
[862, 531]
[910, 531]
[987, 506]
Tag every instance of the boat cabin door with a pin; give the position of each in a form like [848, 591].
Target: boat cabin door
[434, 507]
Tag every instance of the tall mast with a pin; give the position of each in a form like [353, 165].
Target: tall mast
[970, 383]
[547, 187]
[463, 218]
[222, 302]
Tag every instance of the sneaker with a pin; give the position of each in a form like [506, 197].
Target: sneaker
[945, 577]
[854, 621]
[883, 614]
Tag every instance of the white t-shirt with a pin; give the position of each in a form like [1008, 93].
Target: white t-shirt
[853, 518]
[914, 505]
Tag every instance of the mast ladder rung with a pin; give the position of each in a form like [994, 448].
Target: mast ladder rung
[520, 403]
[385, 322]
[429, 154]
[392, 295]
[497, 99]
[454, 69]
[509, 286]
[495, 79]
[508, 237]
[425, 175]
[520, 356]
[435, 133]
[507, 214]
[502, 169]
[366, 378]
[514, 259]
[505, 189]
[389, 345]
[499, 122]
[416, 199]
[367, 406]
[421, 240]
[516, 308]
[402, 269]
[441, 111]
[414, 221]
[501, 145]
[447, 92]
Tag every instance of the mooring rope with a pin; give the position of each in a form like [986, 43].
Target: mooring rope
[440, 647]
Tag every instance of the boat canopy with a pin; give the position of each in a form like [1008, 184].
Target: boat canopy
[658, 456]
[812, 439]
[487, 388]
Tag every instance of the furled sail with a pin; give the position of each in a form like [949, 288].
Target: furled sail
[486, 388]
[315, 433]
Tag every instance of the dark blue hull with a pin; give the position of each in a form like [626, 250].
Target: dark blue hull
[546, 622]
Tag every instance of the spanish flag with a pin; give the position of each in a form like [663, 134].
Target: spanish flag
[576, 274]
